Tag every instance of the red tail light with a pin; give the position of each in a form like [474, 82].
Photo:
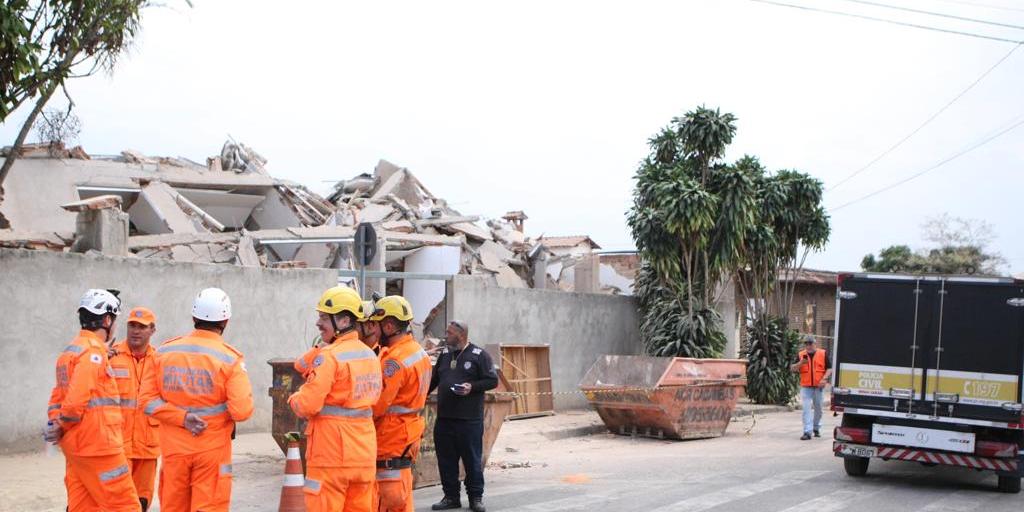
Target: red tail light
[852, 435]
[994, 449]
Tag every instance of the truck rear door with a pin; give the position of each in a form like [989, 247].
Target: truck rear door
[882, 323]
[974, 361]
[951, 347]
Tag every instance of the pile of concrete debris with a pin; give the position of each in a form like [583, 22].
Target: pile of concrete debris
[231, 211]
[395, 199]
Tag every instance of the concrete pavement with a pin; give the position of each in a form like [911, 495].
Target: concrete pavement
[760, 465]
[769, 469]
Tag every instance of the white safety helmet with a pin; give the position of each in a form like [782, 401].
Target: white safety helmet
[100, 302]
[212, 305]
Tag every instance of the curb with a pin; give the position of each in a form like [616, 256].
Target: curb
[583, 431]
[770, 409]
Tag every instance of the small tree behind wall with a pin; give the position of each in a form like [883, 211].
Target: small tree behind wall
[791, 222]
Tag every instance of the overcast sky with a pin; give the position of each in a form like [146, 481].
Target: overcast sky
[546, 106]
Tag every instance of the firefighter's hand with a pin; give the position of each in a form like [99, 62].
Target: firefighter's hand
[194, 424]
[53, 432]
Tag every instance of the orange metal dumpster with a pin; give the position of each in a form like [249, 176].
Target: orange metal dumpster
[286, 381]
[665, 397]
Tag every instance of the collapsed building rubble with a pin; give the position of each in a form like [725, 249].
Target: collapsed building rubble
[232, 211]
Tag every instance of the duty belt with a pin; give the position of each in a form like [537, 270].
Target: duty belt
[395, 463]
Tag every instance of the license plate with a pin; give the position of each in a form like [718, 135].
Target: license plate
[858, 451]
[917, 437]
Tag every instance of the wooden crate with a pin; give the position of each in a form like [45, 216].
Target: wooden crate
[528, 371]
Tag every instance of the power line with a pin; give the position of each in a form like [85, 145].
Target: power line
[926, 121]
[891, 22]
[986, 6]
[932, 168]
[932, 13]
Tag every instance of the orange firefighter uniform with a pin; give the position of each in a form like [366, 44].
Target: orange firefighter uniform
[202, 375]
[141, 433]
[396, 416]
[341, 446]
[304, 363]
[85, 403]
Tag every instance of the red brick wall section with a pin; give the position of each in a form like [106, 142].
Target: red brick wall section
[823, 297]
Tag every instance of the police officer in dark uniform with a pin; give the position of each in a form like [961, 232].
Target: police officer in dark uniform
[462, 374]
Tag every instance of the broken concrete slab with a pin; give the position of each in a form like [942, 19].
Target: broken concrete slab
[246, 252]
[388, 186]
[189, 207]
[49, 241]
[445, 221]
[471, 231]
[399, 226]
[374, 212]
[507, 278]
[94, 203]
[136, 243]
[493, 256]
[158, 211]
[135, 157]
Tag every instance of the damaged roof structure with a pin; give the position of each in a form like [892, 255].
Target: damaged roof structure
[230, 210]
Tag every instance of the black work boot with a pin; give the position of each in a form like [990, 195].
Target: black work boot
[446, 503]
[477, 505]
[817, 433]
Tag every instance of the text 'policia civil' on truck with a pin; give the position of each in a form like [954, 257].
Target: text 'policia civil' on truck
[929, 370]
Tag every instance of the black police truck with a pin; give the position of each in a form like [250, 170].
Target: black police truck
[928, 369]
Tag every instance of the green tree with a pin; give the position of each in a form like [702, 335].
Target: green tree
[688, 220]
[43, 43]
[790, 223]
[958, 246]
[699, 222]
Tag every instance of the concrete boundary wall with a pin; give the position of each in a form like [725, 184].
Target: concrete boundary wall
[273, 317]
[579, 327]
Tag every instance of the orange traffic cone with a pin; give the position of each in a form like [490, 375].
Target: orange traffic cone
[292, 497]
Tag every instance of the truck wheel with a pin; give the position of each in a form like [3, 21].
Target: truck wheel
[1010, 484]
[858, 466]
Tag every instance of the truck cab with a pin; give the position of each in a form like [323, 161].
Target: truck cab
[928, 369]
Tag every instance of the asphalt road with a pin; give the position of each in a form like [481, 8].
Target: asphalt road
[769, 469]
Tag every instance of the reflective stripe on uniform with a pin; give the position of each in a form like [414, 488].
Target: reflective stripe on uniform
[389, 474]
[334, 410]
[121, 373]
[313, 485]
[413, 359]
[208, 411]
[69, 419]
[152, 405]
[301, 363]
[106, 476]
[356, 356]
[225, 469]
[101, 402]
[398, 409]
[74, 349]
[129, 404]
[196, 349]
[53, 407]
